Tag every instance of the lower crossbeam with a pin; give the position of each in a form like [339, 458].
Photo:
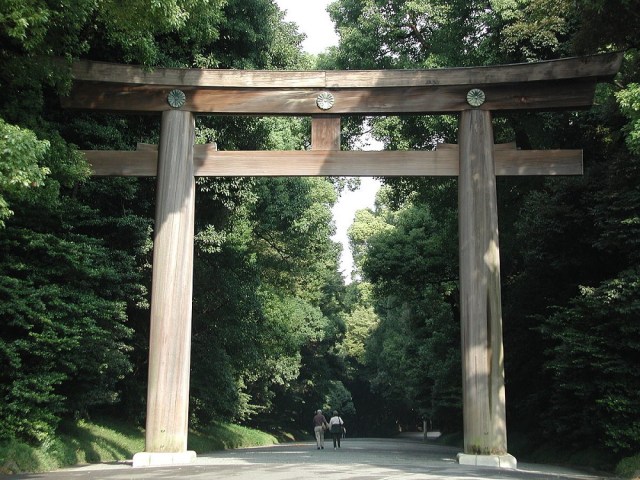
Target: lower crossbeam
[441, 162]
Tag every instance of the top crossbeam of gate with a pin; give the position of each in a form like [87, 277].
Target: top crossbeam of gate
[556, 84]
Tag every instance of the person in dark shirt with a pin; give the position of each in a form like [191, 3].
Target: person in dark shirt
[319, 426]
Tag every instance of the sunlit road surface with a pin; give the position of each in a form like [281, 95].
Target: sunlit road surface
[405, 458]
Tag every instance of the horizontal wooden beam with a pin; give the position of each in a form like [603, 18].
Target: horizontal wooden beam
[351, 101]
[602, 66]
[564, 83]
[441, 162]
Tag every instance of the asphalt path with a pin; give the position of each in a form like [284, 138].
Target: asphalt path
[406, 458]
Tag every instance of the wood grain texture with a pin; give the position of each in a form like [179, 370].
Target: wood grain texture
[431, 99]
[325, 132]
[172, 286]
[443, 162]
[602, 67]
[484, 415]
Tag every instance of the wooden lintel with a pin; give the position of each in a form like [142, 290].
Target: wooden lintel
[602, 67]
[428, 99]
[563, 83]
[442, 162]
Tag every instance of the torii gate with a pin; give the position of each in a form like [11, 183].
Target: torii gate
[179, 94]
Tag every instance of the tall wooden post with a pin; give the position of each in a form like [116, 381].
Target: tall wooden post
[484, 418]
[171, 295]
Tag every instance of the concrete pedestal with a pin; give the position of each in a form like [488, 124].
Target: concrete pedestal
[155, 459]
[497, 461]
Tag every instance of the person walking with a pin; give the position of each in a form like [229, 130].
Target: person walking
[336, 426]
[319, 426]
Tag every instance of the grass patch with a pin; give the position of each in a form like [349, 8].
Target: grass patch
[109, 441]
[629, 467]
[222, 436]
[75, 443]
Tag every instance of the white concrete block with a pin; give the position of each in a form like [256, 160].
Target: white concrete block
[154, 459]
[496, 461]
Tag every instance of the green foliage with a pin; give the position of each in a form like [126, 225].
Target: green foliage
[361, 322]
[76, 442]
[365, 225]
[411, 345]
[293, 225]
[64, 337]
[555, 234]
[263, 333]
[399, 34]
[108, 440]
[338, 398]
[606, 24]
[42, 29]
[597, 331]
[532, 30]
[629, 100]
[20, 156]
[572, 233]
[222, 436]
[136, 29]
[629, 467]
[76, 273]
[249, 27]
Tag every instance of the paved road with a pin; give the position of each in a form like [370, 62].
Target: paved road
[405, 458]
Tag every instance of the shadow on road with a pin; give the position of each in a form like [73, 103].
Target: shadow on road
[403, 458]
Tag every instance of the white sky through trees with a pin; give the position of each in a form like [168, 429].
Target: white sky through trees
[313, 20]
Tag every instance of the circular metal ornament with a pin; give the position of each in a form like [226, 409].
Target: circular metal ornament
[325, 100]
[176, 98]
[475, 97]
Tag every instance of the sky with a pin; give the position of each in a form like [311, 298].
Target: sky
[312, 19]
[343, 214]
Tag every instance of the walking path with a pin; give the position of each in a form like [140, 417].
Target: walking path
[405, 458]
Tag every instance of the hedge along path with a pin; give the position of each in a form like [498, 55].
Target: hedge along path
[472, 93]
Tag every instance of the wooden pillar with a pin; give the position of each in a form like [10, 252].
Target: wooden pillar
[485, 431]
[325, 132]
[171, 293]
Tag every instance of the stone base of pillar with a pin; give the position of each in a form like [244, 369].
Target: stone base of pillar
[154, 459]
[497, 461]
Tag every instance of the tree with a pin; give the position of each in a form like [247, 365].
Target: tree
[595, 392]
[565, 243]
[412, 353]
[99, 230]
[21, 154]
[65, 340]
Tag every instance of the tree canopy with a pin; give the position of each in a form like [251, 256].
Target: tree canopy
[568, 245]
[77, 251]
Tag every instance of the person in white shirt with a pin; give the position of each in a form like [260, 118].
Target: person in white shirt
[336, 427]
